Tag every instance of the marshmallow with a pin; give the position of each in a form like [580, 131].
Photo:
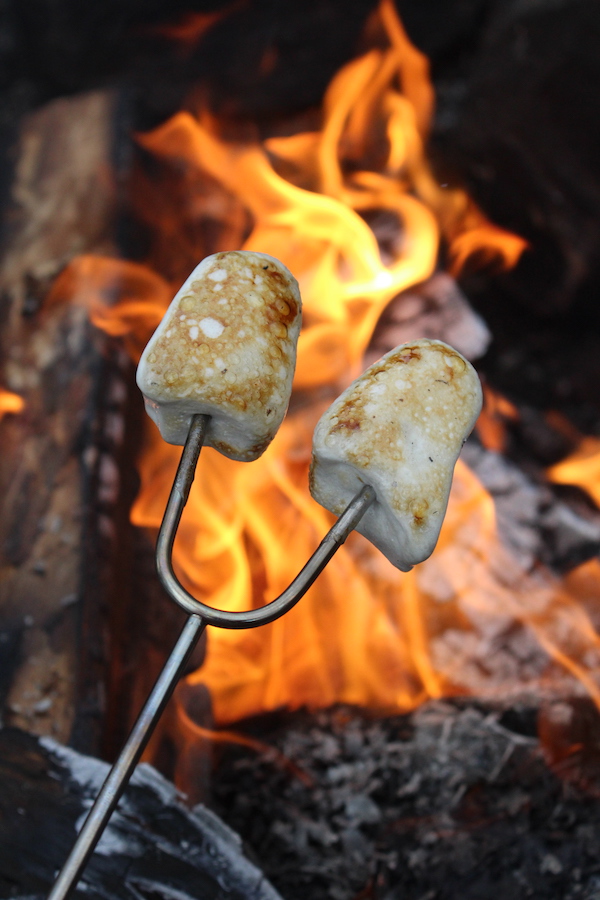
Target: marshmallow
[226, 347]
[399, 428]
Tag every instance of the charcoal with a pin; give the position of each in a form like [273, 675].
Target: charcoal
[535, 522]
[444, 802]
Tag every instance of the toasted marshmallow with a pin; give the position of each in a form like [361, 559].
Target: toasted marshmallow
[399, 428]
[226, 347]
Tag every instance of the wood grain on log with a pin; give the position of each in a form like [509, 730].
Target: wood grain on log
[62, 204]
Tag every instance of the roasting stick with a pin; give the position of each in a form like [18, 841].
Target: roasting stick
[200, 616]
[370, 444]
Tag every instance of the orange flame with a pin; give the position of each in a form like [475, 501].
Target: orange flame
[491, 424]
[582, 468]
[98, 282]
[189, 30]
[364, 633]
[10, 403]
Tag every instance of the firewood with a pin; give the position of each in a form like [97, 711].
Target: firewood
[58, 452]
[153, 845]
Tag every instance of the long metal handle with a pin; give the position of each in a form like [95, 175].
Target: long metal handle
[123, 768]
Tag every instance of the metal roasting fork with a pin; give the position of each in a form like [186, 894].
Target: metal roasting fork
[200, 616]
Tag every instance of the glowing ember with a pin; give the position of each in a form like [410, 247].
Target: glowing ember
[10, 403]
[365, 633]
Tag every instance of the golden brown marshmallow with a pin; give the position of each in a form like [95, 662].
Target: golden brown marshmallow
[226, 347]
[400, 428]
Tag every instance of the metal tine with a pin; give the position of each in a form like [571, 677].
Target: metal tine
[123, 767]
[200, 616]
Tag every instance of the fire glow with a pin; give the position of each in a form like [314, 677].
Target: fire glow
[365, 633]
[10, 403]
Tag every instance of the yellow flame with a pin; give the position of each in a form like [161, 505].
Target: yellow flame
[582, 468]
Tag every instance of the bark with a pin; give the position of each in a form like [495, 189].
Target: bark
[62, 204]
[153, 845]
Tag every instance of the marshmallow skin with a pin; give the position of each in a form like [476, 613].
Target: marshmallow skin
[226, 347]
[400, 428]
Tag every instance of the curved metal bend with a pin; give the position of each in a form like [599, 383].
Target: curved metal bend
[276, 608]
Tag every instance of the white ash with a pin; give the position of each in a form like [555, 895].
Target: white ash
[90, 775]
[436, 309]
[139, 827]
[532, 521]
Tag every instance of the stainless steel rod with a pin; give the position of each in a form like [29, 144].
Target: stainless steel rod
[123, 768]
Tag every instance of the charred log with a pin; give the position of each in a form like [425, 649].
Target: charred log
[153, 846]
[69, 592]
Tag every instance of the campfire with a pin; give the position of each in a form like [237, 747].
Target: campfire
[390, 648]
[502, 615]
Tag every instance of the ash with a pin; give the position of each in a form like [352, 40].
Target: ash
[449, 801]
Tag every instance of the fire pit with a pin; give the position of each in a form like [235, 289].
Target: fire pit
[505, 611]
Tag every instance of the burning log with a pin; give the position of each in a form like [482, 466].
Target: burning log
[60, 451]
[66, 472]
[154, 845]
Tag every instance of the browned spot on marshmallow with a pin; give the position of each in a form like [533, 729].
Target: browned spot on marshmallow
[223, 314]
[226, 347]
[410, 353]
[348, 424]
[418, 509]
[399, 427]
